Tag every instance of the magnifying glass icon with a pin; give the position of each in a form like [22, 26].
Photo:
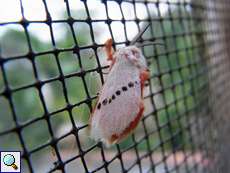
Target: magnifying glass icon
[9, 160]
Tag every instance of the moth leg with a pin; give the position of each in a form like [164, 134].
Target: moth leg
[109, 49]
[115, 138]
[144, 75]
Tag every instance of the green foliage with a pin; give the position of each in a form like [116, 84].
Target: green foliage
[27, 102]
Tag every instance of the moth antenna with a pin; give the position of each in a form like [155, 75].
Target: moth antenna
[137, 37]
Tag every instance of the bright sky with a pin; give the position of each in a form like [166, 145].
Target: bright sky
[34, 10]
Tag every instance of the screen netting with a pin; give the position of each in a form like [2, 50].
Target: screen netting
[52, 65]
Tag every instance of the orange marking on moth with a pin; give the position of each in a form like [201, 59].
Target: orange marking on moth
[116, 138]
[109, 49]
[109, 52]
[145, 75]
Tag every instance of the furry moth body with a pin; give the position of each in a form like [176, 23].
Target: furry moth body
[120, 107]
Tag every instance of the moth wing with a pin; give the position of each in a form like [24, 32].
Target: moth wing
[116, 109]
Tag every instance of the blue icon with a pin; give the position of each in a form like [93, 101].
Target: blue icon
[9, 160]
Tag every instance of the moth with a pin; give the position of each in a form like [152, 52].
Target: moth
[120, 107]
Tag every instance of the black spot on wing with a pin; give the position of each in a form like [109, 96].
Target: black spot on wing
[99, 106]
[131, 84]
[104, 102]
[124, 88]
[118, 92]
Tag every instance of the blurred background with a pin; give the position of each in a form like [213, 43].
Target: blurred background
[52, 58]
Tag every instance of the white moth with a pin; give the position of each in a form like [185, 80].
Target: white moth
[120, 107]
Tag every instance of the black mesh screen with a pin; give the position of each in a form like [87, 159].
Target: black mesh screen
[52, 65]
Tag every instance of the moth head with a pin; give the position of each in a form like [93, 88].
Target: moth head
[133, 55]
